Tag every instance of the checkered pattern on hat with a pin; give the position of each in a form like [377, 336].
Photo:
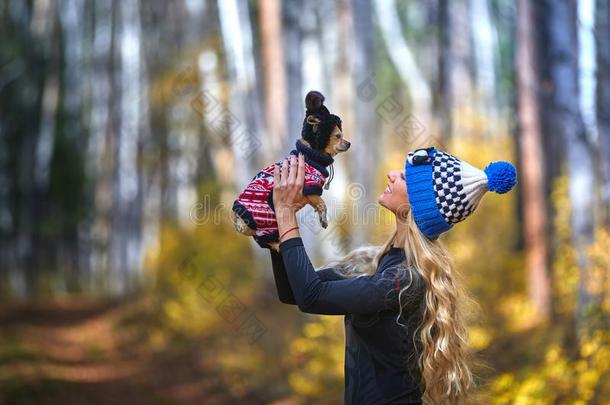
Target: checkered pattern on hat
[448, 189]
[451, 198]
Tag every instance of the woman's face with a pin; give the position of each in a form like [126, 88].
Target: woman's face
[395, 197]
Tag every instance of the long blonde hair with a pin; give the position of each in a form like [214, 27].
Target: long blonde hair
[444, 361]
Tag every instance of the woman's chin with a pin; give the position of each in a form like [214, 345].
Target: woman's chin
[381, 200]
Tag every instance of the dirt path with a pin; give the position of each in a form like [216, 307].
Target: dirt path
[78, 353]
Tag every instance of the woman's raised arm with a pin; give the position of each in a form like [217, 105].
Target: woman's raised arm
[363, 294]
[358, 295]
[284, 291]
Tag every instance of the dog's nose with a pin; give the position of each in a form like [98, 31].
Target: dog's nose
[347, 145]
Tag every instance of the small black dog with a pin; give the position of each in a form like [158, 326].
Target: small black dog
[321, 140]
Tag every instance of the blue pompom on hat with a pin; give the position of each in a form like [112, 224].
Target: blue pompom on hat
[443, 190]
[501, 177]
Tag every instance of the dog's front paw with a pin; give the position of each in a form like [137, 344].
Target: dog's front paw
[323, 220]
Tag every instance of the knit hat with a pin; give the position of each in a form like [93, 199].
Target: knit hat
[319, 123]
[444, 190]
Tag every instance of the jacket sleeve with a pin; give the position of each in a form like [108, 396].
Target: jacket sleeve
[284, 291]
[359, 295]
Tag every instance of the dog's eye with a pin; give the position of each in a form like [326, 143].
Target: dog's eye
[338, 135]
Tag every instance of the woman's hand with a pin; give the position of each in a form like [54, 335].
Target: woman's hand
[288, 196]
[288, 186]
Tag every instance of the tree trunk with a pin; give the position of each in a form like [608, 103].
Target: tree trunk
[274, 75]
[295, 106]
[125, 253]
[563, 51]
[602, 36]
[113, 133]
[552, 145]
[532, 158]
[484, 38]
[98, 164]
[243, 117]
[404, 62]
[365, 157]
[462, 69]
[445, 99]
[71, 15]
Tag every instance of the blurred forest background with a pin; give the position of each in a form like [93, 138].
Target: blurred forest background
[128, 127]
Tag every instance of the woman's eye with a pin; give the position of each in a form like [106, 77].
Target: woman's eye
[402, 176]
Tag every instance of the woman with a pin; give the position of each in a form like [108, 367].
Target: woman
[406, 340]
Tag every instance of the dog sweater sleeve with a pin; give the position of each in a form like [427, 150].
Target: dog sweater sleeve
[358, 295]
[314, 181]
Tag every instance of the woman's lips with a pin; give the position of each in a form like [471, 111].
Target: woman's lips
[387, 190]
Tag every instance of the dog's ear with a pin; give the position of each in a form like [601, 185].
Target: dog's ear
[314, 100]
[313, 121]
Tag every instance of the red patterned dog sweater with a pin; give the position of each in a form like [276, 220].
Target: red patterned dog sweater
[255, 204]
